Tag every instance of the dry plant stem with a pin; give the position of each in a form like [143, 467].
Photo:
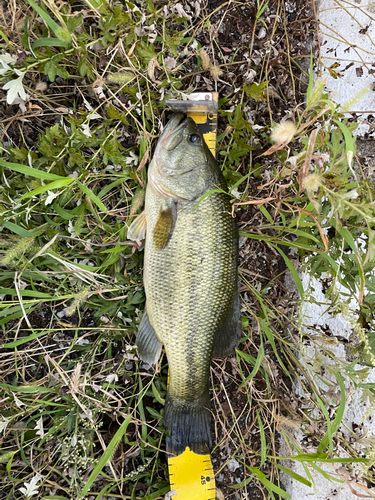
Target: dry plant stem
[356, 49]
[340, 4]
[269, 56]
[288, 55]
[313, 120]
[274, 148]
[321, 232]
[317, 38]
[307, 163]
[252, 202]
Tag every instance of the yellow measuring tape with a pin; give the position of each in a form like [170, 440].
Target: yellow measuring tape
[202, 108]
[191, 475]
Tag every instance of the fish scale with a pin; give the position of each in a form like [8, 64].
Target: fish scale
[190, 278]
[201, 249]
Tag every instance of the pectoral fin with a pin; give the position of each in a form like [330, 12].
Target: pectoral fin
[164, 226]
[137, 229]
[149, 347]
[228, 333]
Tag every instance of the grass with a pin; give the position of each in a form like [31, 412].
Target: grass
[85, 85]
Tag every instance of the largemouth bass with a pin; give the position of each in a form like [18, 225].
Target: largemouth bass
[190, 277]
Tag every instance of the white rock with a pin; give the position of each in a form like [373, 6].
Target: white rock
[233, 464]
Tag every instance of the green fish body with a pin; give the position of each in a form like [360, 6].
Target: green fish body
[190, 277]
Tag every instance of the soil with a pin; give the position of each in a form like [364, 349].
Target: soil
[366, 152]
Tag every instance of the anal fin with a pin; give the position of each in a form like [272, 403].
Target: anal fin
[148, 345]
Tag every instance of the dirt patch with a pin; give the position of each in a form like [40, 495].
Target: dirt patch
[366, 152]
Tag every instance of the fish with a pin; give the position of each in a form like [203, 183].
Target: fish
[190, 278]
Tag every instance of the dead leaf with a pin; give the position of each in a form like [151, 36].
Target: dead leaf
[41, 86]
[215, 72]
[22, 102]
[140, 31]
[170, 63]
[252, 202]
[62, 109]
[219, 494]
[197, 9]
[208, 84]
[144, 159]
[272, 92]
[179, 11]
[313, 120]
[321, 232]
[151, 69]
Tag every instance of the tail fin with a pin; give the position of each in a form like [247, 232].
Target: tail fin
[188, 425]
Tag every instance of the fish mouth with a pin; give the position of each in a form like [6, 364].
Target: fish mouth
[172, 134]
[171, 137]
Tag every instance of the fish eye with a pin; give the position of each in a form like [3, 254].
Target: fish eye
[194, 139]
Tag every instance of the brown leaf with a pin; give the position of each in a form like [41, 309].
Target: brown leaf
[151, 69]
[170, 63]
[144, 159]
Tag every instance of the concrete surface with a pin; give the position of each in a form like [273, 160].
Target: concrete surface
[347, 46]
[315, 356]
